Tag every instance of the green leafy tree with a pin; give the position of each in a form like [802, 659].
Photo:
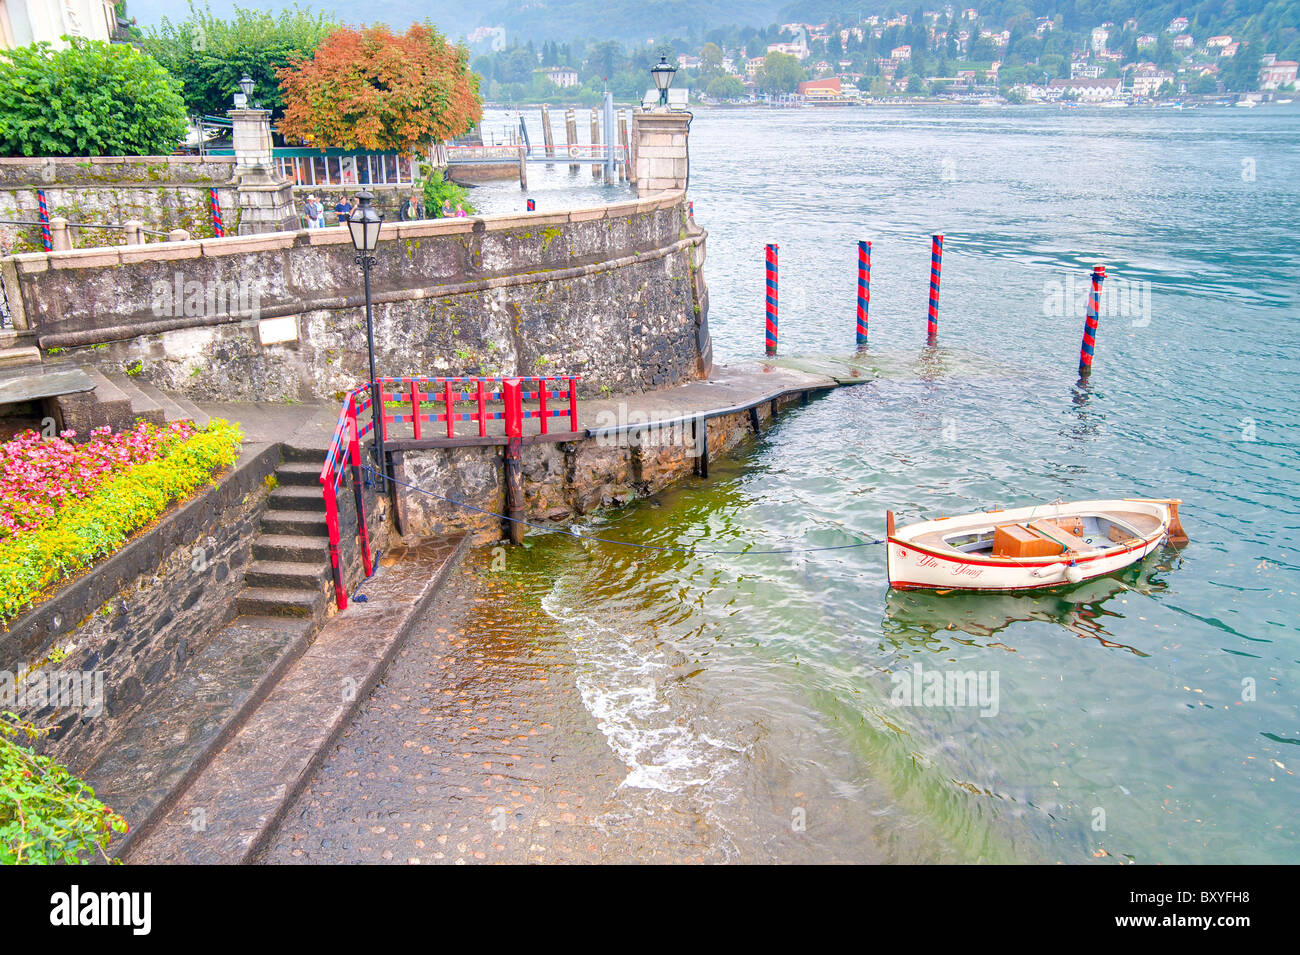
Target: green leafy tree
[725, 87]
[209, 55]
[91, 99]
[781, 73]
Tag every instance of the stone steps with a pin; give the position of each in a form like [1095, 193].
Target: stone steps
[165, 745]
[105, 405]
[143, 407]
[300, 523]
[175, 407]
[300, 474]
[19, 356]
[281, 602]
[291, 547]
[292, 574]
[292, 497]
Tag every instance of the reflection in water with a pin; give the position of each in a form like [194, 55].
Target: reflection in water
[912, 616]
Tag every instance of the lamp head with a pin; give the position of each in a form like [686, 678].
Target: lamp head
[364, 223]
[663, 77]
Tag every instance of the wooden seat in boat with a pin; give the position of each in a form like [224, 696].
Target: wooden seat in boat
[1069, 542]
[1017, 540]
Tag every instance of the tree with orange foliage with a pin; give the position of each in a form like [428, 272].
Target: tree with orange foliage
[372, 89]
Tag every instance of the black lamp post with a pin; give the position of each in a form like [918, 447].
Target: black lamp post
[663, 77]
[364, 224]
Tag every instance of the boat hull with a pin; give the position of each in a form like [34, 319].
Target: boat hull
[921, 565]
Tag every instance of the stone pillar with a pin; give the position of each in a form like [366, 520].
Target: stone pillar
[133, 229]
[264, 197]
[60, 238]
[659, 145]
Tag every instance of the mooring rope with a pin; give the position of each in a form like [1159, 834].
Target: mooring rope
[372, 474]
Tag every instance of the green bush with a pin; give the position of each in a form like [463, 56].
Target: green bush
[92, 99]
[89, 528]
[437, 190]
[47, 815]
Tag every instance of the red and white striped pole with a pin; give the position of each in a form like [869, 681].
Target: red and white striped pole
[1090, 322]
[864, 288]
[532, 206]
[936, 264]
[771, 299]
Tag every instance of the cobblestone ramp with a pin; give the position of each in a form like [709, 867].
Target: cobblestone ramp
[231, 804]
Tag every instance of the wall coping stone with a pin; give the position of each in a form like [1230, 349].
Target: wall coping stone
[268, 241]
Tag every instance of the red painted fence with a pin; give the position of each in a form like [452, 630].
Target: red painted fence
[440, 403]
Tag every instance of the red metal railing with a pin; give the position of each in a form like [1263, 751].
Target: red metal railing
[442, 395]
[432, 401]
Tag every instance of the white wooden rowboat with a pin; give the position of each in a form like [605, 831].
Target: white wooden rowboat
[1030, 548]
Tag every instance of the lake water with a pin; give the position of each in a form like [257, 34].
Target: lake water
[1151, 717]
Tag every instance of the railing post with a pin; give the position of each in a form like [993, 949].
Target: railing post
[514, 419]
[415, 408]
[541, 399]
[332, 525]
[482, 410]
[451, 412]
[358, 496]
[573, 403]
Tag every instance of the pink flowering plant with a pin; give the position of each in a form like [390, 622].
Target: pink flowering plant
[64, 506]
[38, 476]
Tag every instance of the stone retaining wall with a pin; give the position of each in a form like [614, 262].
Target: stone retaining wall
[614, 294]
[164, 192]
[139, 615]
[560, 480]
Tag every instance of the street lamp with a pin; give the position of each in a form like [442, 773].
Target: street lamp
[245, 91]
[663, 77]
[364, 224]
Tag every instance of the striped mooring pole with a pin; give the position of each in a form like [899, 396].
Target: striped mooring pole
[46, 240]
[864, 288]
[936, 264]
[1090, 322]
[532, 206]
[771, 299]
[214, 207]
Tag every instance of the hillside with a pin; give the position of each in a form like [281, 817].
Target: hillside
[536, 20]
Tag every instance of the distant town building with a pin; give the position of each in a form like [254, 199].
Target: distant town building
[686, 62]
[1099, 37]
[798, 50]
[1184, 41]
[1146, 40]
[1086, 71]
[24, 22]
[753, 67]
[1231, 49]
[1178, 25]
[1130, 25]
[1218, 42]
[561, 76]
[1277, 73]
[1147, 81]
[826, 89]
[899, 53]
[1089, 91]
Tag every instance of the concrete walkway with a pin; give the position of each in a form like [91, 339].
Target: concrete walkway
[309, 425]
